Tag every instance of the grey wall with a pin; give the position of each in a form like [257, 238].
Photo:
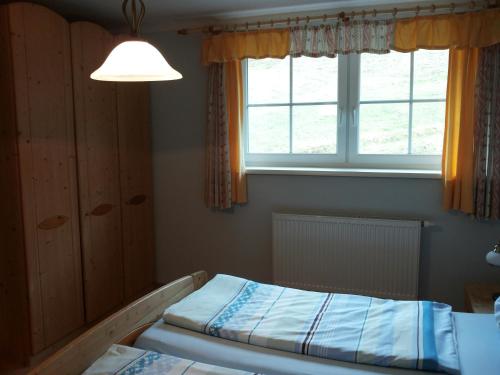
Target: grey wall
[190, 237]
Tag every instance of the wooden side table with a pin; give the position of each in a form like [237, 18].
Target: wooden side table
[479, 297]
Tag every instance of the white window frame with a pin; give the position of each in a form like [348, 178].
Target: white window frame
[348, 103]
[393, 161]
[299, 160]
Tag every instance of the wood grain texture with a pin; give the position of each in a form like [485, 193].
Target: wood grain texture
[479, 297]
[14, 313]
[98, 171]
[136, 186]
[137, 199]
[129, 340]
[83, 351]
[44, 110]
[102, 209]
[200, 278]
[53, 222]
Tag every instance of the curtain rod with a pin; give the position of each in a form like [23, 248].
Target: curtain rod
[344, 16]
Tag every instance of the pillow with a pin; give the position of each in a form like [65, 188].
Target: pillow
[497, 311]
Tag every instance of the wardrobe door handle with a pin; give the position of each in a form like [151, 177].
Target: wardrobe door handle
[102, 209]
[53, 222]
[137, 200]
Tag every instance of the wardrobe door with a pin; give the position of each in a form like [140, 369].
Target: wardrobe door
[41, 54]
[136, 187]
[98, 171]
[14, 316]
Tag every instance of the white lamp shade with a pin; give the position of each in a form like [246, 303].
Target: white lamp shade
[135, 61]
[493, 258]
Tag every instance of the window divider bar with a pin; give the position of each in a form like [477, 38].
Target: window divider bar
[428, 100]
[346, 97]
[402, 101]
[245, 115]
[292, 104]
[410, 112]
[290, 110]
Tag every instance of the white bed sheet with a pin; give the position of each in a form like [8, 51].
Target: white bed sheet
[477, 335]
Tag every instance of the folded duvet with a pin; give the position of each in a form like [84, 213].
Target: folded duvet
[406, 334]
[124, 360]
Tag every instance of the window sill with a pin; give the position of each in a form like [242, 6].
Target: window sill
[347, 172]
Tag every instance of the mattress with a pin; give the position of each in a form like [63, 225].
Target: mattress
[478, 341]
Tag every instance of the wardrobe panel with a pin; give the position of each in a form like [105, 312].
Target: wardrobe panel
[14, 315]
[41, 53]
[136, 186]
[98, 171]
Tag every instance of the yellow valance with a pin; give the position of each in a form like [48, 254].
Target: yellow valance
[232, 46]
[474, 30]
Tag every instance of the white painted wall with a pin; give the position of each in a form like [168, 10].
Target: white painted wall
[191, 237]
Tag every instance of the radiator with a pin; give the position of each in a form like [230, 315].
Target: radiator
[374, 257]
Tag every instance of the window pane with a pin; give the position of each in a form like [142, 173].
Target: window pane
[430, 74]
[383, 128]
[385, 77]
[269, 81]
[315, 129]
[428, 128]
[269, 129]
[315, 79]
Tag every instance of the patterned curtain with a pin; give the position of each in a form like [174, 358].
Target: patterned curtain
[487, 134]
[225, 179]
[343, 38]
[218, 169]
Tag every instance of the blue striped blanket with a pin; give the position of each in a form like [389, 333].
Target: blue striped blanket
[124, 360]
[406, 334]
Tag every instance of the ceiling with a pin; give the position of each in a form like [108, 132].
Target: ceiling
[171, 14]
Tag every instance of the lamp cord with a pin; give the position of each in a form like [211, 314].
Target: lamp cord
[135, 19]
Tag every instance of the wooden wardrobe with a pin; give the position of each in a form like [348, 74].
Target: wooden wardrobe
[75, 181]
[115, 175]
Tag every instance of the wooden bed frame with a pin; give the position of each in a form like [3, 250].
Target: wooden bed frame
[123, 327]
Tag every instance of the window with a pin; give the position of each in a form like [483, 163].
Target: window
[379, 111]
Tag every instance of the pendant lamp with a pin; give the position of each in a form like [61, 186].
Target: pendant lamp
[135, 60]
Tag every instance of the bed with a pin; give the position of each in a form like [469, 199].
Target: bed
[139, 324]
[478, 343]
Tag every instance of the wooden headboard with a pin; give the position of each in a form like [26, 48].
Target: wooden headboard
[79, 354]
